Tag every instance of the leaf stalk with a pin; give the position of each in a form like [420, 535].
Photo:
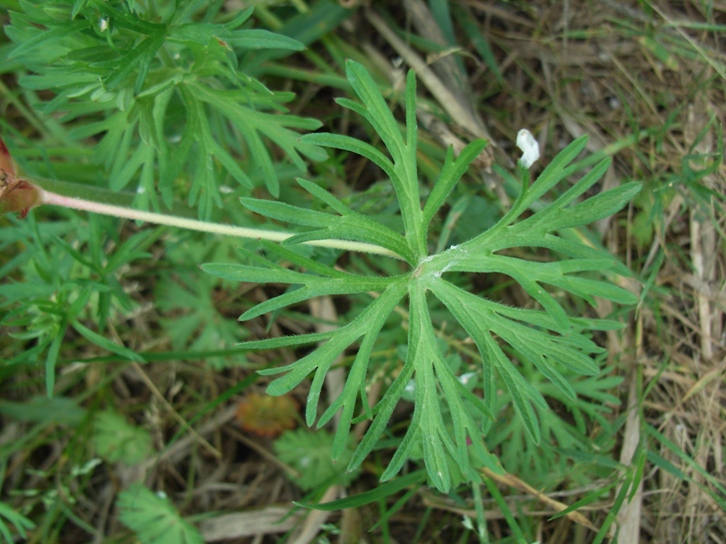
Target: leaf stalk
[54, 199]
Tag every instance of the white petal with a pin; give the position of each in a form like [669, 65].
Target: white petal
[529, 147]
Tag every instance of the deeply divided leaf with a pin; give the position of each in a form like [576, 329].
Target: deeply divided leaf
[523, 356]
[167, 92]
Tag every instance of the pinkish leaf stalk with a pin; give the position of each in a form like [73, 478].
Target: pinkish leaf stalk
[54, 199]
[20, 196]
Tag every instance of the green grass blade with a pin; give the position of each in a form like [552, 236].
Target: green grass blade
[381, 492]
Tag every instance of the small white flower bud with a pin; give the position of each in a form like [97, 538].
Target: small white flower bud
[529, 147]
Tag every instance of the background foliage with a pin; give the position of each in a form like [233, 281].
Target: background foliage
[179, 107]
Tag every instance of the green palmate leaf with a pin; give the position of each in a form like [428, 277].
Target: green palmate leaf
[450, 420]
[154, 519]
[166, 93]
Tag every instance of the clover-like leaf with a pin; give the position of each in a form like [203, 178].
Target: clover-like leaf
[118, 441]
[154, 519]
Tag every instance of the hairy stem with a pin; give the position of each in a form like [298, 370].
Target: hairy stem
[203, 226]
